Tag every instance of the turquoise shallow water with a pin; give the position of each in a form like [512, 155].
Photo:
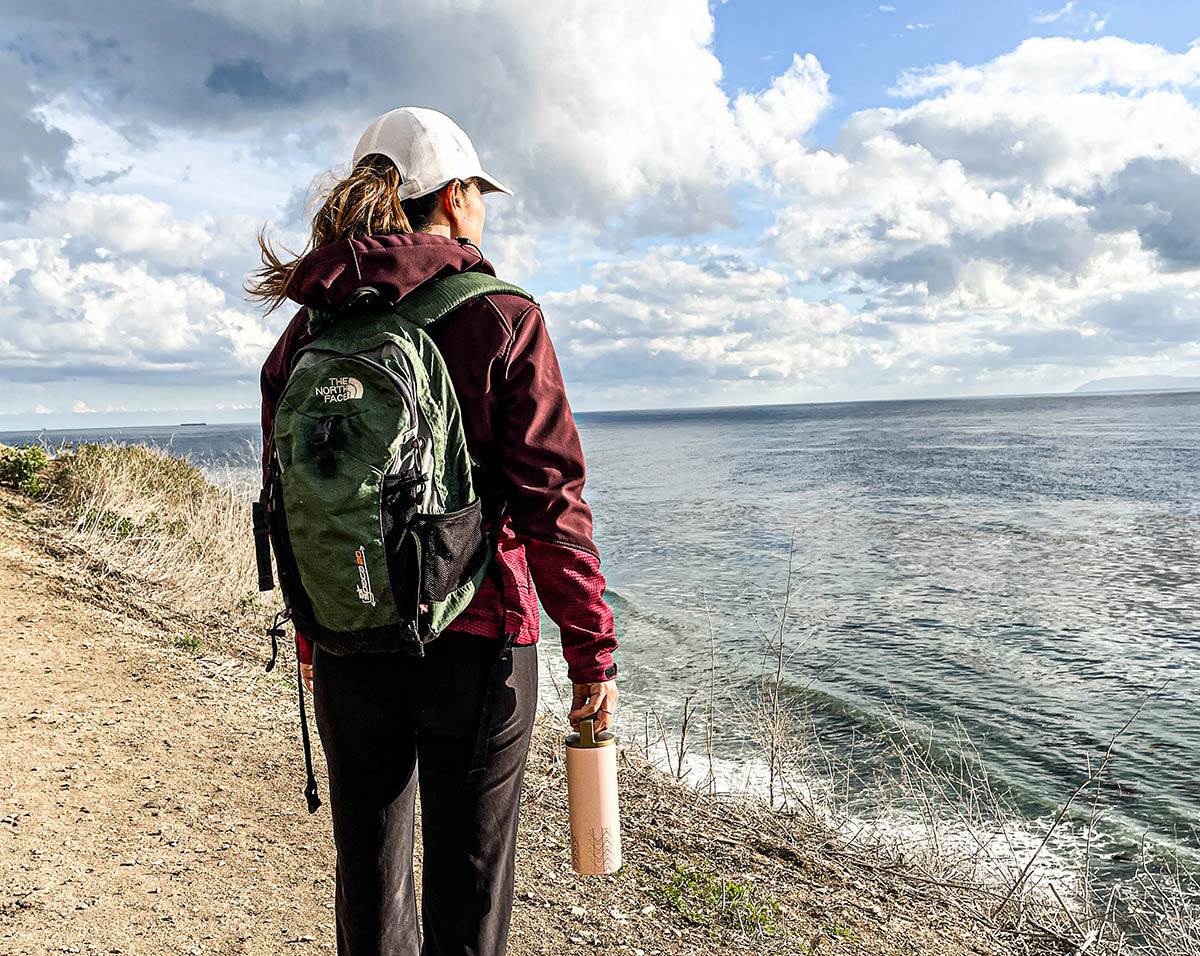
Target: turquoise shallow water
[1028, 567]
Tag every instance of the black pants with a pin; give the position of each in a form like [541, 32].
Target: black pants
[379, 717]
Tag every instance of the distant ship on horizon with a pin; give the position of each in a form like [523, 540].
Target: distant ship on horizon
[191, 424]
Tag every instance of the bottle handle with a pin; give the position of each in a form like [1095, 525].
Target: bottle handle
[587, 734]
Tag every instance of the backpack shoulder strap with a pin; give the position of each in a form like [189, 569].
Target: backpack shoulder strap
[428, 303]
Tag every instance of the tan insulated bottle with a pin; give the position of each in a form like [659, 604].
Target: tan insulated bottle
[592, 800]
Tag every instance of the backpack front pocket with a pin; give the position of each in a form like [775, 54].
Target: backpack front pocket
[340, 423]
[400, 501]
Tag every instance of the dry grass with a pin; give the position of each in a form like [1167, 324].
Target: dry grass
[140, 518]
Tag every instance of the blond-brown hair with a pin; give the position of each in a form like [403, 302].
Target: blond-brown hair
[365, 203]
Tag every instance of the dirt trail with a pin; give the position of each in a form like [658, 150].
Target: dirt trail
[151, 802]
[151, 798]
[148, 796]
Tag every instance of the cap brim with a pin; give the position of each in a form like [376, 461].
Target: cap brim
[492, 185]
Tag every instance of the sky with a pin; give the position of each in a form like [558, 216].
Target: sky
[745, 202]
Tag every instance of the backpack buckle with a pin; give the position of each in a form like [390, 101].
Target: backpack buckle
[322, 443]
[362, 299]
[275, 631]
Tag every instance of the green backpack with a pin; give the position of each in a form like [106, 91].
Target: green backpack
[371, 503]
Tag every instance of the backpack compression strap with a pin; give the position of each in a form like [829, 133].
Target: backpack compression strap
[428, 303]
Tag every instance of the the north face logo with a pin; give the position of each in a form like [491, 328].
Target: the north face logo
[340, 389]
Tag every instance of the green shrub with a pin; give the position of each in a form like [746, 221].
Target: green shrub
[189, 642]
[21, 468]
[703, 898]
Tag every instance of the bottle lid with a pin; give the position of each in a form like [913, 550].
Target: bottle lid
[588, 739]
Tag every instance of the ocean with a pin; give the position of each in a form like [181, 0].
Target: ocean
[1026, 569]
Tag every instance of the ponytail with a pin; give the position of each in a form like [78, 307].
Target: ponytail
[365, 203]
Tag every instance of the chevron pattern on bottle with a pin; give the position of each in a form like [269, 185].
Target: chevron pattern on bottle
[603, 849]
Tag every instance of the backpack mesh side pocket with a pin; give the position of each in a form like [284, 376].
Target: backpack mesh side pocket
[451, 549]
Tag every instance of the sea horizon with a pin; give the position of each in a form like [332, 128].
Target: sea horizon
[584, 413]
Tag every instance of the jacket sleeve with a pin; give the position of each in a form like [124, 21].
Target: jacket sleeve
[272, 380]
[542, 462]
[274, 375]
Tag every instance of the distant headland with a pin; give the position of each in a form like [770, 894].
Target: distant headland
[1143, 383]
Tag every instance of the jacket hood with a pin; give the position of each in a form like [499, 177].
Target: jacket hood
[393, 264]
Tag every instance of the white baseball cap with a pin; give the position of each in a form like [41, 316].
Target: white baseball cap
[428, 148]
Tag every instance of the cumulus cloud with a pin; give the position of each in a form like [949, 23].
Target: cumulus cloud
[1160, 200]
[1031, 203]
[1057, 66]
[583, 114]
[649, 328]
[135, 228]
[774, 122]
[1026, 168]
[79, 407]
[33, 151]
[677, 315]
[1021, 220]
[118, 288]
[608, 115]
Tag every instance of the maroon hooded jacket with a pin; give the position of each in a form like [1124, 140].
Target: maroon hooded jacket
[518, 425]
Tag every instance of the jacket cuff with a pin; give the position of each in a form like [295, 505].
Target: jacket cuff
[304, 649]
[592, 671]
[570, 587]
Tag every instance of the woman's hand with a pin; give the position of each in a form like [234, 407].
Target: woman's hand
[599, 699]
[306, 673]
